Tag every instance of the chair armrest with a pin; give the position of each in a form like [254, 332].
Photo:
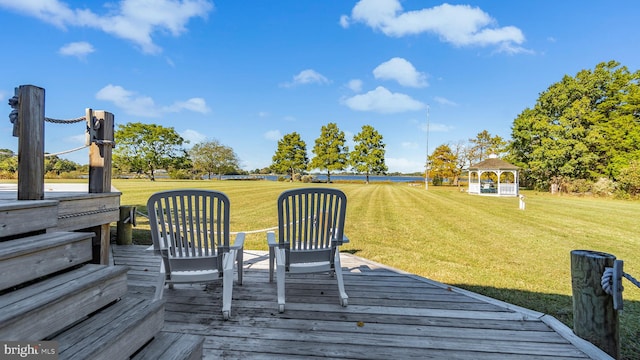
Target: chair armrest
[238, 242]
[271, 239]
[345, 240]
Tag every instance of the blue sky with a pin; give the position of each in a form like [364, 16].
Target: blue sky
[248, 72]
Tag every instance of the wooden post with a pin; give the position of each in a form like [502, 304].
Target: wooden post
[125, 225]
[594, 318]
[30, 142]
[100, 153]
[100, 175]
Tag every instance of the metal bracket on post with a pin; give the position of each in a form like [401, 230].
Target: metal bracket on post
[90, 135]
[616, 284]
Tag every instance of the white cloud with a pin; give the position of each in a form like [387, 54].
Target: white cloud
[144, 106]
[355, 85]
[2, 95]
[344, 21]
[444, 101]
[133, 20]
[289, 118]
[263, 114]
[78, 49]
[274, 135]
[194, 104]
[383, 101]
[308, 76]
[193, 137]
[128, 101]
[460, 25]
[402, 71]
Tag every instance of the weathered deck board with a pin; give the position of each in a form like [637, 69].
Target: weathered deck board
[390, 315]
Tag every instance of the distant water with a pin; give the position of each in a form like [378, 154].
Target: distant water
[362, 178]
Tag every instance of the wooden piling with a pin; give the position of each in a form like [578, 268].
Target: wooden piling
[100, 152]
[30, 142]
[125, 225]
[594, 318]
[100, 175]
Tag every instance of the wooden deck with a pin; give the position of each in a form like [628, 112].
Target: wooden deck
[391, 314]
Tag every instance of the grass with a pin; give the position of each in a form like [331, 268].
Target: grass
[483, 244]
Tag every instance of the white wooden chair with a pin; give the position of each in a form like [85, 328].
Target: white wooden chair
[310, 231]
[190, 231]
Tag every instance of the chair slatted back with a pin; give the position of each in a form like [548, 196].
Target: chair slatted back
[311, 223]
[189, 228]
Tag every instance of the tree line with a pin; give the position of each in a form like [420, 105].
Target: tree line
[145, 148]
[582, 135]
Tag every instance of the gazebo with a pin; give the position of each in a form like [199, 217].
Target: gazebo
[493, 177]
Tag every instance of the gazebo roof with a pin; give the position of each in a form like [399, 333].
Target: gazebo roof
[493, 163]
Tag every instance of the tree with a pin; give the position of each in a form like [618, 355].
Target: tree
[212, 157]
[145, 148]
[368, 154]
[330, 149]
[443, 163]
[181, 166]
[461, 153]
[483, 145]
[59, 165]
[291, 155]
[583, 127]
[8, 161]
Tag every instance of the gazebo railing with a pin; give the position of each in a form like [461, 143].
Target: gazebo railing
[507, 189]
[502, 189]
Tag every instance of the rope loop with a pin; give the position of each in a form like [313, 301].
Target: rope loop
[13, 115]
[13, 102]
[607, 281]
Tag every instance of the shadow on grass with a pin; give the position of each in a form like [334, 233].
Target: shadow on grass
[561, 308]
[350, 251]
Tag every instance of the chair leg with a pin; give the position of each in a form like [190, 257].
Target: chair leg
[338, 270]
[227, 283]
[271, 258]
[240, 259]
[280, 266]
[162, 277]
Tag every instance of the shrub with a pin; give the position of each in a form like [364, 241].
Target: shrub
[629, 178]
[437, 180]
[580, 186]
[179, 174]
[4, 174]
[604, 187]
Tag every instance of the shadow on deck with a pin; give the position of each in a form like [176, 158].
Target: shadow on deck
[391, 314]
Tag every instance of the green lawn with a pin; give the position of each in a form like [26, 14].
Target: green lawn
[483, 244]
